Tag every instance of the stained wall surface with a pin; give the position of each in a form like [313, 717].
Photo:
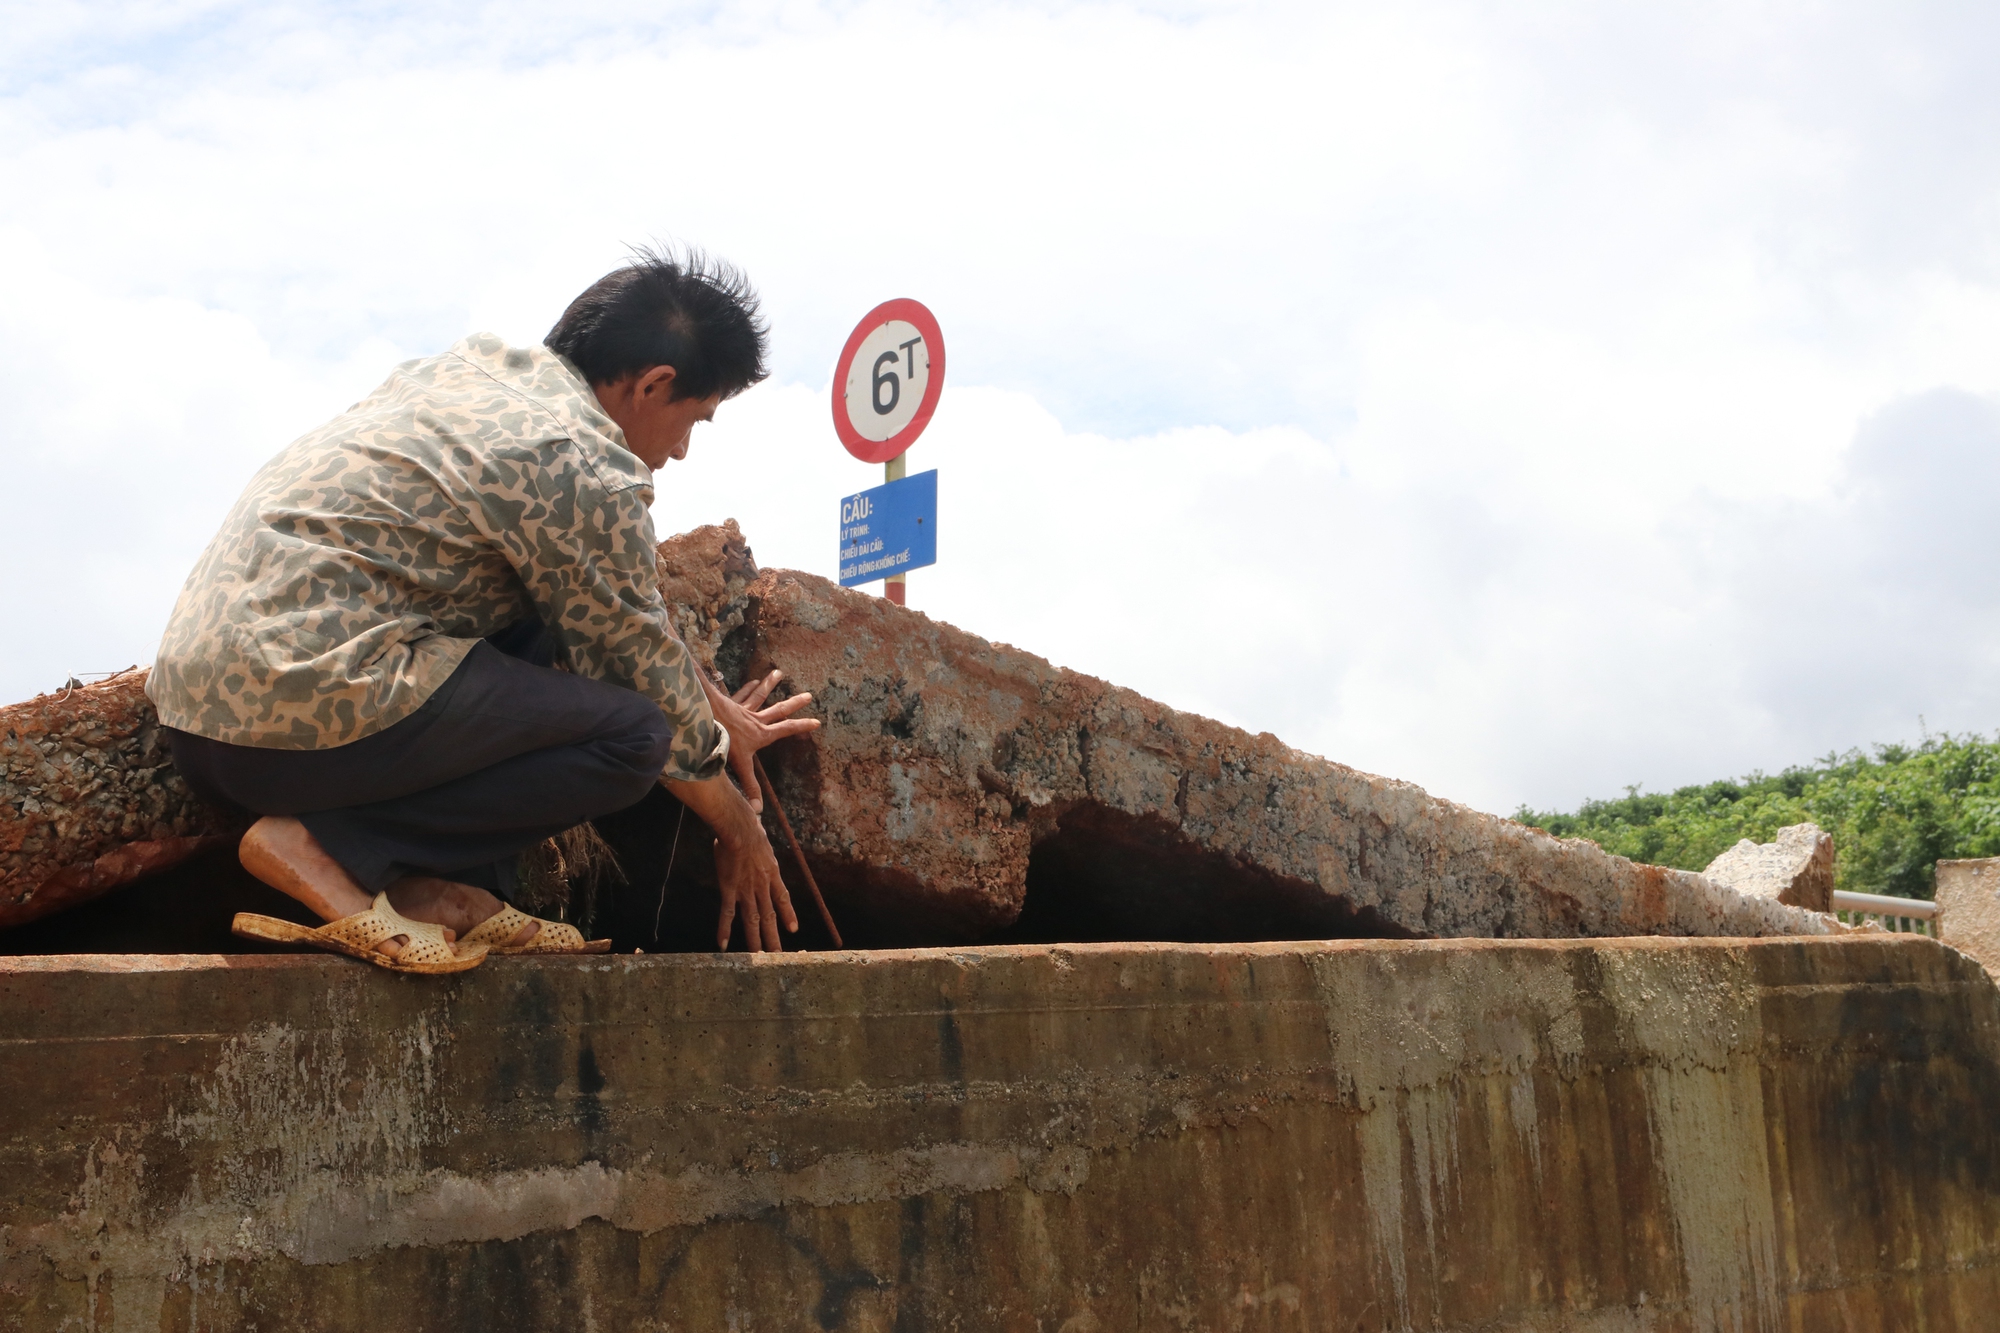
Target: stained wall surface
[1650, 1134]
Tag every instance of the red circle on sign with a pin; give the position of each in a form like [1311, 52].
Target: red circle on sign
[881, 451]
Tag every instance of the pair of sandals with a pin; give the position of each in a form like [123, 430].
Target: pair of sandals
[426, 950]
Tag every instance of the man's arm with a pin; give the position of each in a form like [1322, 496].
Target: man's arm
[745, 868]
[594, 580]
[747, 872]
[590, 570]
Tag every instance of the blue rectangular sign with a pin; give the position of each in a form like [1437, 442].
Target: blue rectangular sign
[889, 529]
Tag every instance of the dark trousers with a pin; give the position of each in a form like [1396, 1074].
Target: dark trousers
[507, 752]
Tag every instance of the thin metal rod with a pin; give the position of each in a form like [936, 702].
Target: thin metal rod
[771, 795]
[672, 852]
[1882, 904]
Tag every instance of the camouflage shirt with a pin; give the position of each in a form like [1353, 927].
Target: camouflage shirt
[468, 492]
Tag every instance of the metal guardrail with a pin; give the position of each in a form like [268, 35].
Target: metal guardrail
[1909, 916]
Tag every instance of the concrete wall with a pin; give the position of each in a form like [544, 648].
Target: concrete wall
[89, 799]
[1546, 1135]
[1968, 901]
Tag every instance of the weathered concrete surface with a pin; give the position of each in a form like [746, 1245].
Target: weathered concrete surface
[1630, 1135]
[1795, 869]
[953, 774]
[88, 799]
[1968, 902]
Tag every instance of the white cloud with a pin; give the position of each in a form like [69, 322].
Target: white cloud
[1463, 394]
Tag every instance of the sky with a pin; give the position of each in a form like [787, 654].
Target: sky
[1526, 401]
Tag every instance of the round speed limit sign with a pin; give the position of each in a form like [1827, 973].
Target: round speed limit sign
[887, 381]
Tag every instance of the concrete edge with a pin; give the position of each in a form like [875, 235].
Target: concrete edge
[196, 962]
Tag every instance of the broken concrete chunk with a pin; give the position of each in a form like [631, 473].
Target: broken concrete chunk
[89, 799]
[704, 577]
[1796, 870]
[1968, 902]
[963, 789]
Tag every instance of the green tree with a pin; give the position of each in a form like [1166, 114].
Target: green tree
[1893, 813]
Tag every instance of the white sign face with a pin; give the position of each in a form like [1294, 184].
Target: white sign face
[886, 380]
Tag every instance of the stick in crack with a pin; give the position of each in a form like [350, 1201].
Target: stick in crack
[812, 886]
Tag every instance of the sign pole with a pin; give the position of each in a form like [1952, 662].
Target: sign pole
[893, 587]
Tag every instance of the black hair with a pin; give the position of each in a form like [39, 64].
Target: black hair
[696, 314]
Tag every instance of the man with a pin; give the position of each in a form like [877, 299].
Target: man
[366, 656]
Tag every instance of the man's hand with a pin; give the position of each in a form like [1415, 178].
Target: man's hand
[751, 726]
[752, 890]
[745, 869]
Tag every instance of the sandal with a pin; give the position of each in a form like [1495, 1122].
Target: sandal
[356, 936]
[553, 937]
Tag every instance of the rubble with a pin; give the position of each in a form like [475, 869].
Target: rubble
[960, 790]
[1796, 870]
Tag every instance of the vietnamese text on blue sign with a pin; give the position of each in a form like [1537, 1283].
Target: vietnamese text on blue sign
[888, 529]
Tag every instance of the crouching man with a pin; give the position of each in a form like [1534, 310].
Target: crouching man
[370, 655]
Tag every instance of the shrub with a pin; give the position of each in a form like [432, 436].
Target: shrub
[1893, 814]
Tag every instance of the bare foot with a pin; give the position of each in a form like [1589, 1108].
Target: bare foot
[280, 851]
[457, 907]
